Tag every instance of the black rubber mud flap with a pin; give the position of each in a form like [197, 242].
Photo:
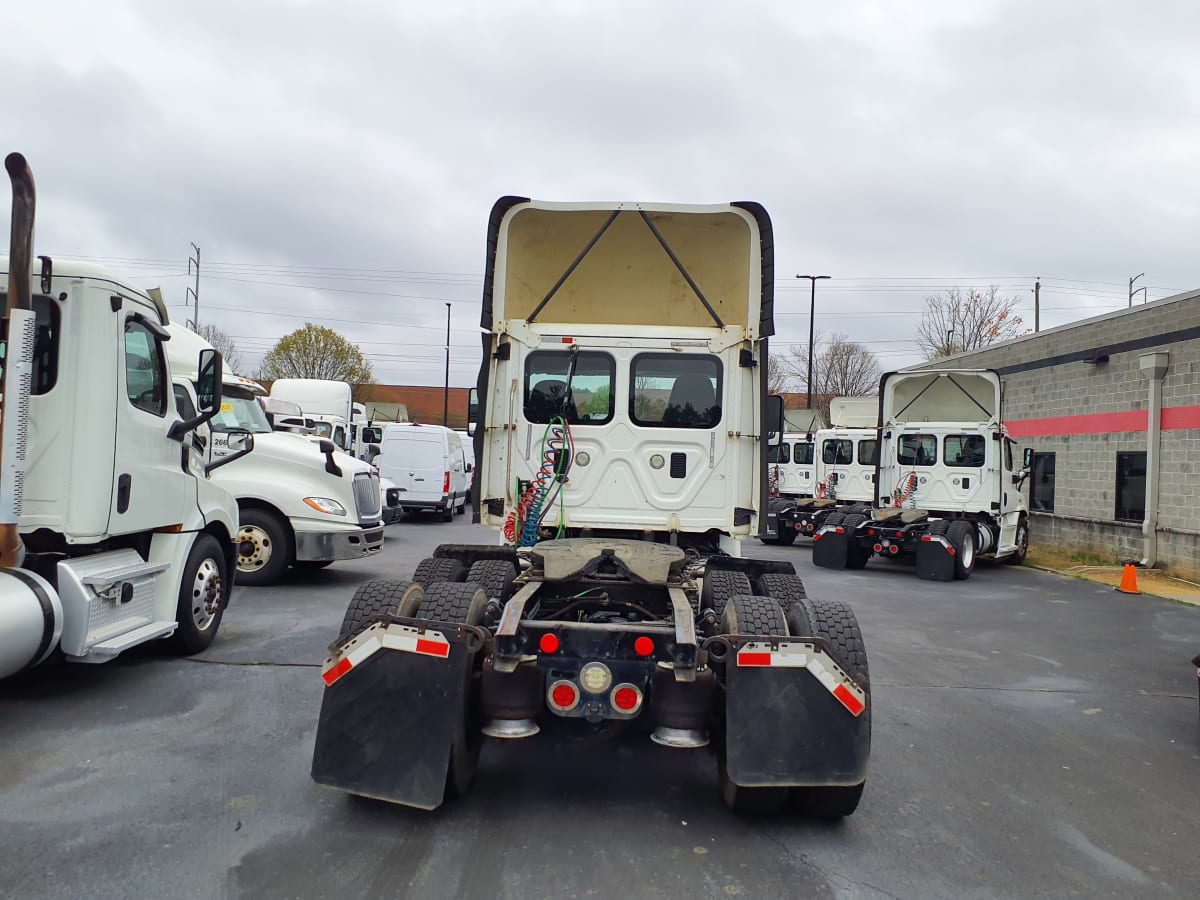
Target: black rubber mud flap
[831, 550]
[783, 727]
[934, 561]
[387, 725]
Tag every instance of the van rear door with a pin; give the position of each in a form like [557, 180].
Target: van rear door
[416, 461]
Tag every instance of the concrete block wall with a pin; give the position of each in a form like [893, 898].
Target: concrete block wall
[1047, 375]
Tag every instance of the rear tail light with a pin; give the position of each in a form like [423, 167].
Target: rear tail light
[878, 548]
[446, 484]
[564, 696]
[643, 646]
[626, 698]
[893, 549]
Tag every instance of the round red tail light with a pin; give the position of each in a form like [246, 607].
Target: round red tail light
[643, 646]
[626, 698]
[564, 695]
[548, 642]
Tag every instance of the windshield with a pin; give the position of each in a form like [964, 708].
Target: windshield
[240, 410]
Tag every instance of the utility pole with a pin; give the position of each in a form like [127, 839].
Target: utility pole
[446, 393]
[812, 308]
[1145, 296]
[196, 291]
[1037, 305]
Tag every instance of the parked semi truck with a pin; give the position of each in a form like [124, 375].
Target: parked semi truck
[329, 403]
[947, 488]
[622, 456]
[843, 471]
[112, 534]
[302, 502]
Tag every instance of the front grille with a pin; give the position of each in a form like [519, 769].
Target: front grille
[366, 495]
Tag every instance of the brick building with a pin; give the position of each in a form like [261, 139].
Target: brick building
[1080, 396]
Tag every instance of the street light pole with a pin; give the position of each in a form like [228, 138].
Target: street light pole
[812, 309]
[446, 391]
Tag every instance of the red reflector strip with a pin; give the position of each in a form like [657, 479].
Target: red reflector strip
[848, 699]
[339, 669]
[433, 648]
[751, 658]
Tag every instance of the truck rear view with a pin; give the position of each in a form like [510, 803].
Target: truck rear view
[621, 454]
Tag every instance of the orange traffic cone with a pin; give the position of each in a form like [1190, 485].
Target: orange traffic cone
[1128, 583]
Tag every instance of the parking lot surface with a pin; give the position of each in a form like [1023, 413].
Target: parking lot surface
[1034, 736]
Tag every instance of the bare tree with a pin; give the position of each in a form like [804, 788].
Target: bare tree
[224, 344]
[779, 378]
[841, 368]
[956, 321]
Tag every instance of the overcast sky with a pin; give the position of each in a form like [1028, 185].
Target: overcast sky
[336, 163]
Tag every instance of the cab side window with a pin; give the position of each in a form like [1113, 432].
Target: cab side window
[145, 369]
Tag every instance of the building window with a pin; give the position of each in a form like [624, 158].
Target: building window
[1041, 492]
[1131, 486]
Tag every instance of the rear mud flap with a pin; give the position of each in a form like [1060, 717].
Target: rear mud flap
[785, 728]
[934, 561]
[387, 724]
[831, 550]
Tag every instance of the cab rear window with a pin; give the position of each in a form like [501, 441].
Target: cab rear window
[583, 394]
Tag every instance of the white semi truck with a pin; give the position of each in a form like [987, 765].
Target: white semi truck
[301, 503]
[112, 534]
[947, 488]
[330, 403]
[622, 457]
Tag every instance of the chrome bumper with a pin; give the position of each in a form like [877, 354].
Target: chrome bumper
[313, 546]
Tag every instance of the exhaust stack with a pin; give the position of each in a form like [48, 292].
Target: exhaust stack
[17, 335]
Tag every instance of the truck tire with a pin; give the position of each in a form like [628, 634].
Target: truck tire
[1022, 541]
[786, 590]
[448, 512]
[264, 547]
[719, 585]
[438, 568]
[961, 535]
[203, 595]
[834, 518]
[856, 554]
[834, 621]
[377, 599]
[460, 603]
[495, 576]
[749, 614]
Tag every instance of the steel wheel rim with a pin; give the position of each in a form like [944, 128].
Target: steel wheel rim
[206, 594]
[261, 553]
[968, 550]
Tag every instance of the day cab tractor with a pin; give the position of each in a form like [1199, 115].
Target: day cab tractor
[112, 533]
[946, 487]
[622, 444]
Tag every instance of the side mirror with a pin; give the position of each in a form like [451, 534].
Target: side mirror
[773, 420]
[240, 443]
[208, 382]
[326, 446]
[208, 394]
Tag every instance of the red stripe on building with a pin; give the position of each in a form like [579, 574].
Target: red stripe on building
[1175, 418]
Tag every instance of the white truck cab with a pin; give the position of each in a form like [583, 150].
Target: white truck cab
[112, 534]
[329, 403]
[300, 505]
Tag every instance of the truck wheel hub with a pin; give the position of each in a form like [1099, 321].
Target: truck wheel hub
[206, 594]
[254, 548]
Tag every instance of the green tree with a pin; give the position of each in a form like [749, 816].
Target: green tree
[597, 404]
[317, 352]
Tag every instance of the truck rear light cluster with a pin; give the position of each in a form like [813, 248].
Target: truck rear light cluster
[626, 698]
[563, 696]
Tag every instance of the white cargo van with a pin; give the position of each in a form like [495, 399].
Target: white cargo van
[427, 465]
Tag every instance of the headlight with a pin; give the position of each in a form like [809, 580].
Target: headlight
[325, 505]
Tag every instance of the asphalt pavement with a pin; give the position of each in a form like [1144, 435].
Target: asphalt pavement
[1034, 736]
